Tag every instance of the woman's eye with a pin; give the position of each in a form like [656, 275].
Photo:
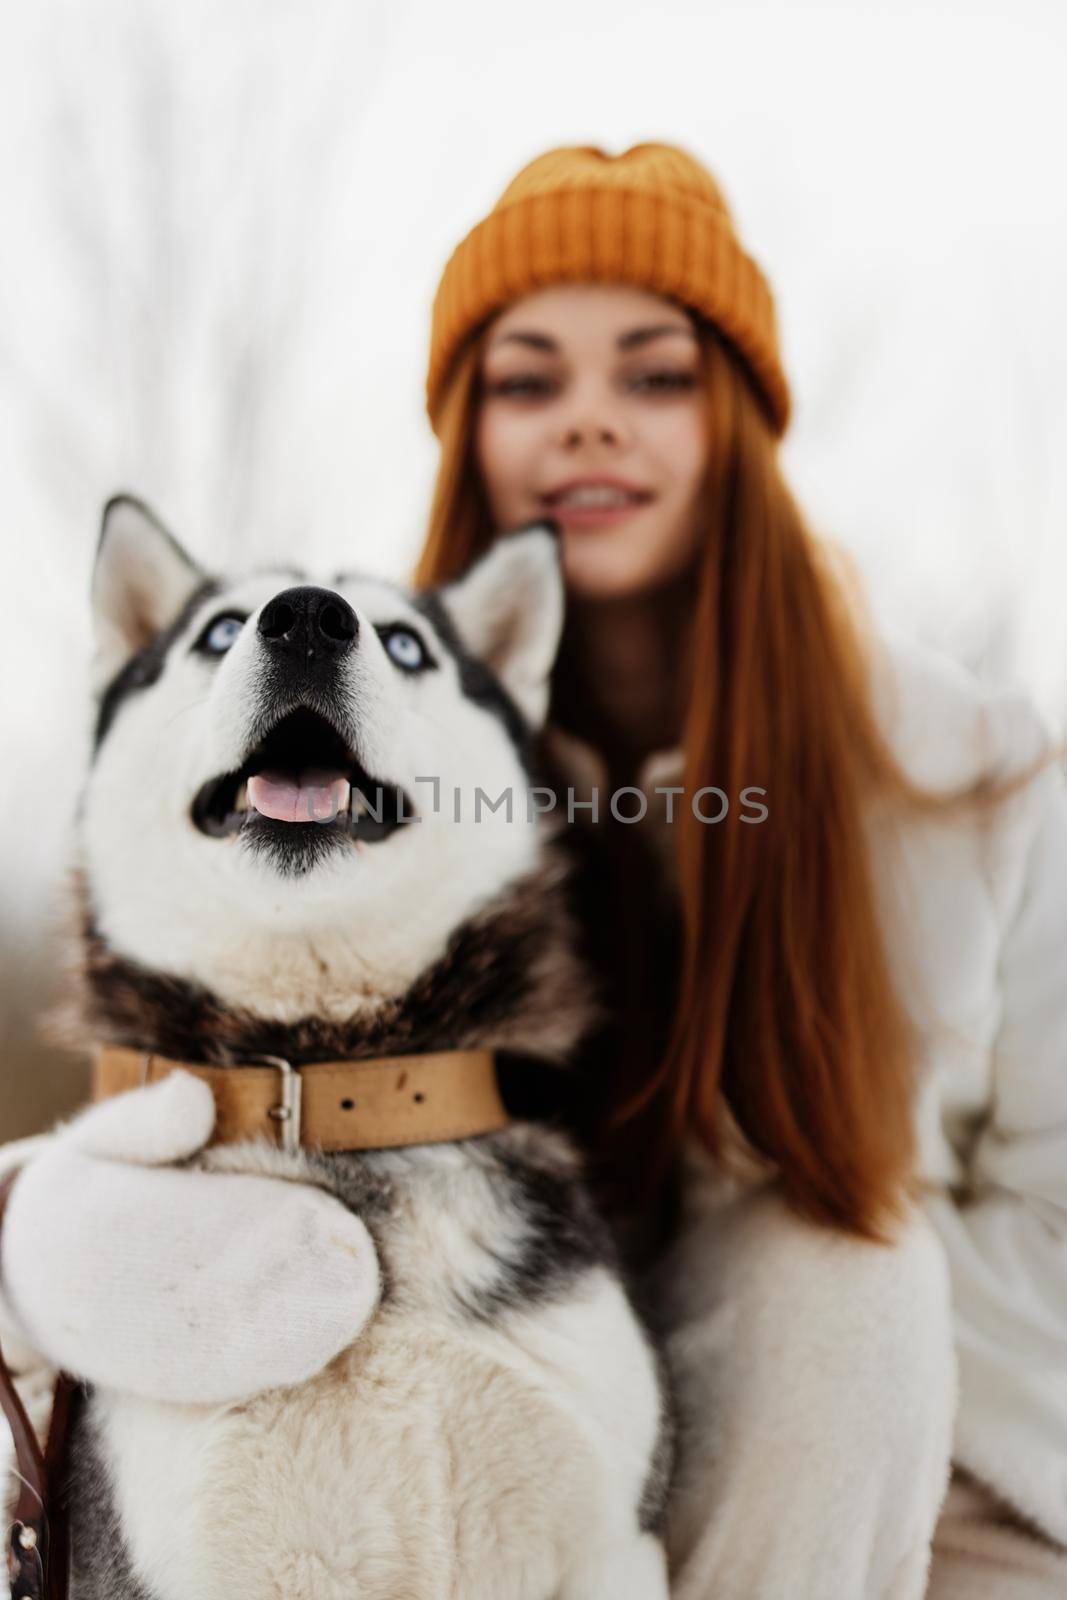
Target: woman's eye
[665, 382]
[525, 383]
[406, 649]
[219, 635]
[529, 384]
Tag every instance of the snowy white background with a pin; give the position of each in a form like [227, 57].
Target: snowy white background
[223, 224]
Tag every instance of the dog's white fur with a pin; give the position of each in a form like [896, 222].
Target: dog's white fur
[437, 1457]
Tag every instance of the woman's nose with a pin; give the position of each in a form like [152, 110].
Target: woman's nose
[603, 429]
[576, 436]
[591, 413]
[576, 433]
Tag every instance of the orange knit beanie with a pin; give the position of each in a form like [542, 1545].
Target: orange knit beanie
[653, 217]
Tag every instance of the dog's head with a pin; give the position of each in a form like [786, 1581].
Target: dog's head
[280, 756]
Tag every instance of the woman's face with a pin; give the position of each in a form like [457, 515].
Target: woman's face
[596, 385]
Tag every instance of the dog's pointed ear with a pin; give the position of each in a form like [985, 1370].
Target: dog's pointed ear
[141, 579]
[508, 608]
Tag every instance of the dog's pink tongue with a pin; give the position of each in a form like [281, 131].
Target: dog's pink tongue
[315, 796]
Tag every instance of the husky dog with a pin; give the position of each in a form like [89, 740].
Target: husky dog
[497, 1432]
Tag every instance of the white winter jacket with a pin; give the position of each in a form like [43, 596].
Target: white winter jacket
[975, 919]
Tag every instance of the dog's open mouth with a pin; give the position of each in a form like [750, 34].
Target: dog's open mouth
[302, 772]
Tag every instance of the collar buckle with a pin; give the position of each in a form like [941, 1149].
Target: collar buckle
[287, 1113]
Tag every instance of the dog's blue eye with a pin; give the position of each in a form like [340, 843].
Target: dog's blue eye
[221, 634]
[406, 649]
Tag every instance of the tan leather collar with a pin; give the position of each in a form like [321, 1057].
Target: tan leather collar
[376, 1104]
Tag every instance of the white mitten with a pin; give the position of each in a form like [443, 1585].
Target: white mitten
[177, 1285]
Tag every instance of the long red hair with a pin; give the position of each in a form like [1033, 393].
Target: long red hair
[784, 1002]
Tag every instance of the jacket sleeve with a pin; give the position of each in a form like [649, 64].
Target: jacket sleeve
[1007, 1239]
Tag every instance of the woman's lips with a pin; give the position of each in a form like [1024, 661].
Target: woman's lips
[596, 516]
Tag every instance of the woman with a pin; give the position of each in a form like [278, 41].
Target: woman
[702, 616]
[805, 1001]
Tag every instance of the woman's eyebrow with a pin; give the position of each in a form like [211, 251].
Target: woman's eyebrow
[625, 341]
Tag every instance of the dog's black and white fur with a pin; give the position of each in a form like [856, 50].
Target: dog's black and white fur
[498, 1430]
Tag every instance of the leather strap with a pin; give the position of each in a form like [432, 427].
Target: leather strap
[376, 1104]
[38, 1550]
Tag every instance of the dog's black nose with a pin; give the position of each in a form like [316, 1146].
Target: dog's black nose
[308, 624]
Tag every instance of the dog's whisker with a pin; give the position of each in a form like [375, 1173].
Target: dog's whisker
[15, 1473]
[202, 700]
